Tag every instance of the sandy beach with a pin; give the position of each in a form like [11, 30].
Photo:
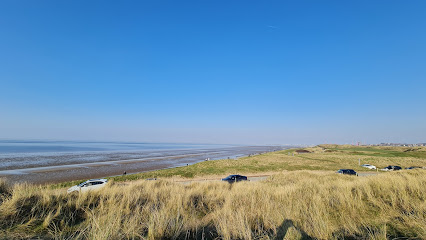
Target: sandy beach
[55, 168]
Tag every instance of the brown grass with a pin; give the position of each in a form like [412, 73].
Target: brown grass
[323, 157]
[290, 205]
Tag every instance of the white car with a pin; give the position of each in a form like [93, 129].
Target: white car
[92, 184]
[369, 166]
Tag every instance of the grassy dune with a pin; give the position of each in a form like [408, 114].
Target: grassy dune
[323, 157]
[292, 204]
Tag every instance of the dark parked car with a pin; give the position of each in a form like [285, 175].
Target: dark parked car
[234, 178]
[347, 171]
[413, 167]
[391, 168]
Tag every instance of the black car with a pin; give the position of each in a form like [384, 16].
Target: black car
[234, 178]
[413, 167]
[347, 171]
[392, 168]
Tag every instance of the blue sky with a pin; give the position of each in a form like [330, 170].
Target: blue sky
[248, 72]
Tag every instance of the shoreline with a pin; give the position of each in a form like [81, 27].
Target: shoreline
[98, 169]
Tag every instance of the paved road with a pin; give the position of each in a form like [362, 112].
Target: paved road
[254, 178]
[262, 178]
[366, 174]
[250, 178]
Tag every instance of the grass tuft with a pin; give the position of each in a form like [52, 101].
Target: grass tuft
[290, 205]
[302, 199]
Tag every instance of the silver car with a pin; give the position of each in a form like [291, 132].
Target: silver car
[369, 166]
[92, 184]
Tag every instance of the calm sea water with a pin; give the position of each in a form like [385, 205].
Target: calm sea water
[11, 147]
[55, 161]
[29, 154]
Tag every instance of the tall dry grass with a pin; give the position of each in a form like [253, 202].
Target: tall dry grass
[320, 158]
[293, 205]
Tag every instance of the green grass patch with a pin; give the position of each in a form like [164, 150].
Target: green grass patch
[375, 151]
[323, 157]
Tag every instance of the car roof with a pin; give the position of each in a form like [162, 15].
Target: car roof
[96, 180]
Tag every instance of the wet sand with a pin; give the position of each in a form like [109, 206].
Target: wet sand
[55, 169]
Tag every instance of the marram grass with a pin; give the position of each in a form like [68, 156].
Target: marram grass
[291, 205]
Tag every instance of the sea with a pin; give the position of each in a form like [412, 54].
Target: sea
[55, 161]
[20, 147]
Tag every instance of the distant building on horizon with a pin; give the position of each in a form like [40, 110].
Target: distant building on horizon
[400, 144]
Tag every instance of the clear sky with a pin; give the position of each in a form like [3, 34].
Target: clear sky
[249, 72]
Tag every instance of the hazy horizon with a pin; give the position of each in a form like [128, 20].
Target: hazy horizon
[219, 72]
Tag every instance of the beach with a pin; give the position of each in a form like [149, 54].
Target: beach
[42, 166]
[290, 194]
